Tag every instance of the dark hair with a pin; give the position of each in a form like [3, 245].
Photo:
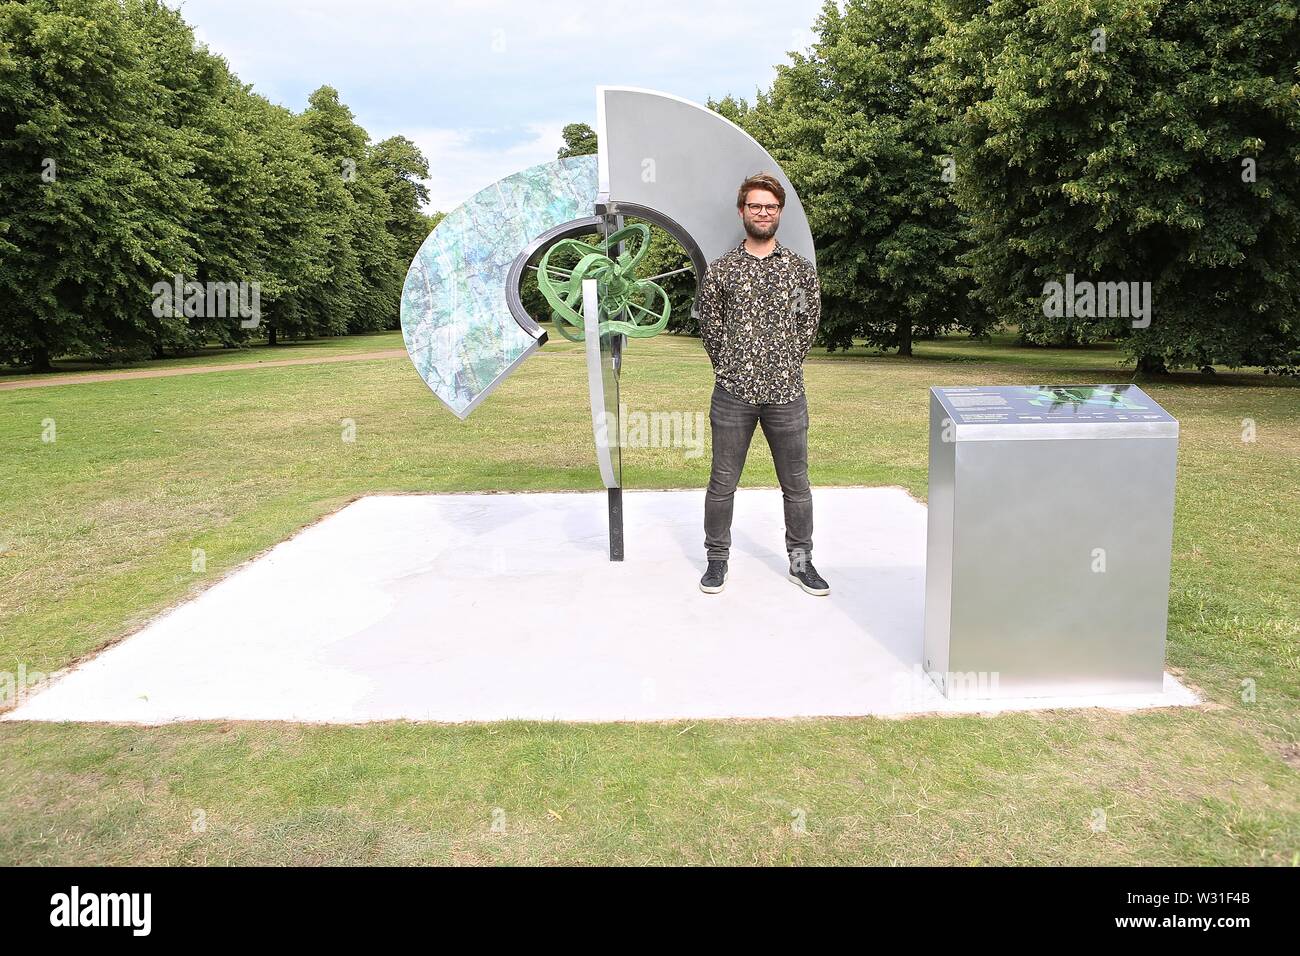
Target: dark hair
[761, 181]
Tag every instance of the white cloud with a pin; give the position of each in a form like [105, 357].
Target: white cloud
[460, 167]
[444, 72]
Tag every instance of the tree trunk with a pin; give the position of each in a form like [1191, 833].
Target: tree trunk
[903, 335]
[41, 360]
[1152, 365]
[270, 333]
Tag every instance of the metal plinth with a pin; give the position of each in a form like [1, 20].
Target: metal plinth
[1049, 535]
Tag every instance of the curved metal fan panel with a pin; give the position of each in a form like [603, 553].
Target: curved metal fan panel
[456, 322]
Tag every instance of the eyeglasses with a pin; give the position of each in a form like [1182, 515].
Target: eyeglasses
[755, 208]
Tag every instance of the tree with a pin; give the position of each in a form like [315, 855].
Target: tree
[353, 210]
[198, 99]
[130, 156]
[400, 170]
[1132, 141]
[95, 184]
[579, 140]
[730, 107]
[855, 125]
[290, 251]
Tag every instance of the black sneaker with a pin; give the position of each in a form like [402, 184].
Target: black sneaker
[805, 575]
[715, 578]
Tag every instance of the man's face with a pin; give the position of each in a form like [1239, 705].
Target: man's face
[760, 223]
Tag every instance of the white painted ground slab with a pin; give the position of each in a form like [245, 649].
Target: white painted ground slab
[494, 606]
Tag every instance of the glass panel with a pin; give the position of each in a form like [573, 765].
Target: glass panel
[458, 328]
[993, 404]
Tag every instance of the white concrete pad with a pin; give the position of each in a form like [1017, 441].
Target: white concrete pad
[483, 607]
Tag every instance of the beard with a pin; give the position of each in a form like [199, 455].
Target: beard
[760, 230]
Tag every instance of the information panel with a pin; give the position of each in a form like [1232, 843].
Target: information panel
[1026, 404]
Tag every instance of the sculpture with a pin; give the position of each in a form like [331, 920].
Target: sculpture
[660, 158]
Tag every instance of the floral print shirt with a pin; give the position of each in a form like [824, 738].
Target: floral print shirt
[758, 318]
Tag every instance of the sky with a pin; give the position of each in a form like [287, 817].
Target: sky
[484, 87]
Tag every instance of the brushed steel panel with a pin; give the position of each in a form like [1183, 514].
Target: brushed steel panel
[1027, 604]
[938, 548]
[1017, 603]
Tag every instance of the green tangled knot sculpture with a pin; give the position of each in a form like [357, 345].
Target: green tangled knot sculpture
[618, 289]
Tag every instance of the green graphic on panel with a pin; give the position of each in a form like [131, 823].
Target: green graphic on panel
[1082, 395]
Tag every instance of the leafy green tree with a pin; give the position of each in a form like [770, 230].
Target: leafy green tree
[354, 209]
[579, 140]
[730, 107]
[855, 125]
[290, 251]
[404, 170]
[96, 186]
[1132, 141]
[133, 157]
[400, 170]
[196, 98]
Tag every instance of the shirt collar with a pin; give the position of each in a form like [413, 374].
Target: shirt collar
[777, 250]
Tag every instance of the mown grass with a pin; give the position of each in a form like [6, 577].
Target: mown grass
[96, 535]
[218, 355]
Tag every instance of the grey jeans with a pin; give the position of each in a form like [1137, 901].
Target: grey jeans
[785, 426]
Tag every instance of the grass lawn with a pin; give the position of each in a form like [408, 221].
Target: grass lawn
[216, 355]
[97, 529]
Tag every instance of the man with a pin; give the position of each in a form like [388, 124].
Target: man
[759, 307]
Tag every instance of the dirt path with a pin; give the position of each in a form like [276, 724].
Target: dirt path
[80, 377]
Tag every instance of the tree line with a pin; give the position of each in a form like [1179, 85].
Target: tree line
[133, 160]
[1076, 169]
[968, 164]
